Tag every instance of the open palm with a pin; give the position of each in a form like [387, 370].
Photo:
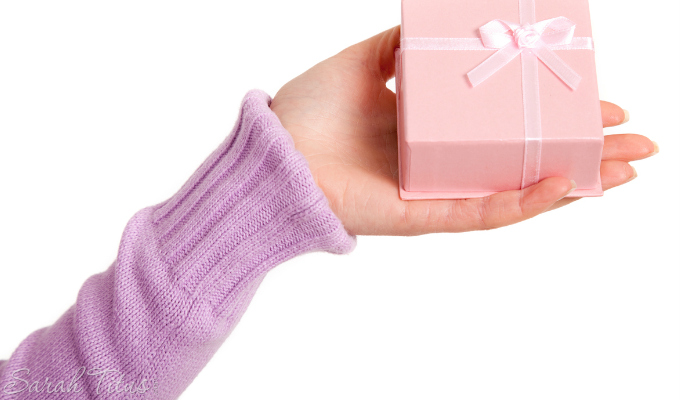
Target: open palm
[342, 118]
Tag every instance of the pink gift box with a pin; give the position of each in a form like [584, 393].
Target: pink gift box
[458, 139]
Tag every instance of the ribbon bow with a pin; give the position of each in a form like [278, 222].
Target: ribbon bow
[512, 39]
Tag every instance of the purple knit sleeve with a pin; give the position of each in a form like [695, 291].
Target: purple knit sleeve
[185, 273]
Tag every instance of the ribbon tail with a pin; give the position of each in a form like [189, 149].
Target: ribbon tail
[492, 64]
[558, 66]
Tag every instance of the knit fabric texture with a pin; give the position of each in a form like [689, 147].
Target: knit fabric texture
[185, 273]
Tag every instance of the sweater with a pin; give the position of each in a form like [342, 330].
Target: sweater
[185, 272]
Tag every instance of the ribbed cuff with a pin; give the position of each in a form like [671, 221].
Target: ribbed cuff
[250, 206]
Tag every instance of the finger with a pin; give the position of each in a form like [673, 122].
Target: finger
[377, 53]
[628, 147]
[613, 114]
[613, 173]
[497, 210]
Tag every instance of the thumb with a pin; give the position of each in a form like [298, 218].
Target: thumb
[377, 53]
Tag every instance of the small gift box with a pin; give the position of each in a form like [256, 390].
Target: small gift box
[496, 95]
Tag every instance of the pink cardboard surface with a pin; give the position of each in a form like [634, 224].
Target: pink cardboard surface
[459, 141]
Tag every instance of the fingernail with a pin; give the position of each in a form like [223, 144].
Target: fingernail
[633, 176]
[656, 149]
[627, 116]
[573, 187]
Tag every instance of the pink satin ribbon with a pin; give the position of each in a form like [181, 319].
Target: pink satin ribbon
[532, 41]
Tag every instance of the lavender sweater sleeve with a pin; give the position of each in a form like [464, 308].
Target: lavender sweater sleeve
[185, 273]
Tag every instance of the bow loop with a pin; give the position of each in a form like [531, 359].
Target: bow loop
[556, 31]
[497, 33]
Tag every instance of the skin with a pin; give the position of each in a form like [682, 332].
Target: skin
[342, 118]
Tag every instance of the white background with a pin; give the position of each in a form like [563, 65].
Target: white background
[108, 107]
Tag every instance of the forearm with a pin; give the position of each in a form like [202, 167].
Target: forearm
[185, 273]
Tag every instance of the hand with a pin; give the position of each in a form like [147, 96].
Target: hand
[342, 117]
